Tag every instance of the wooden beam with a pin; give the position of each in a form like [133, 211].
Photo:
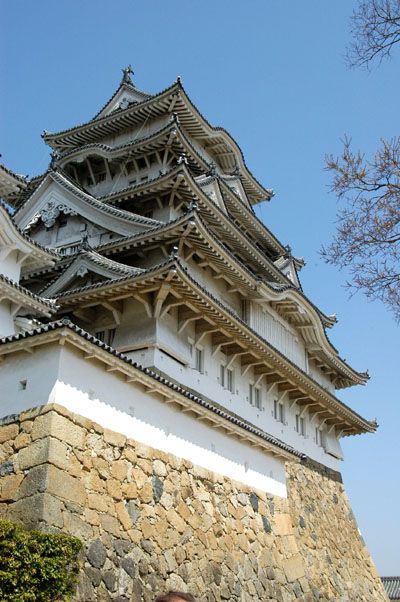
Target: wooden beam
[147, 305]
[159, 298]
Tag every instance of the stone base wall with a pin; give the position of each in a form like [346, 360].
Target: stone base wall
[151, 521]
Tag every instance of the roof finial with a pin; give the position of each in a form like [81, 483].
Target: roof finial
[127, 72]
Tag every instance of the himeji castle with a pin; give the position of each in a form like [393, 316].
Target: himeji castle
[169, 389]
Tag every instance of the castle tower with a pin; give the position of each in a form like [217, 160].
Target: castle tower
[189, 429]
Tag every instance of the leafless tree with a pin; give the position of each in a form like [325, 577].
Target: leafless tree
[375, 25]
[367, 239]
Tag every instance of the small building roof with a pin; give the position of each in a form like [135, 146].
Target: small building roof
[392, 587]
[10, 182]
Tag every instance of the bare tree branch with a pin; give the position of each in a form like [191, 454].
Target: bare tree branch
[367, 239]
[375, 26]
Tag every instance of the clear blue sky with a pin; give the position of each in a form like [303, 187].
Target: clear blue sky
[272, 73]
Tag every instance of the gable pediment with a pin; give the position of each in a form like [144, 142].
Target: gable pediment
[57, 194]
[87, 269]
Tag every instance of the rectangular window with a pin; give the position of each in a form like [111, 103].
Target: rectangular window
[199, 359]
[230, 384]
[222, 375]
[300, 425]
[255, 396]
[279, 414]
[245, 311]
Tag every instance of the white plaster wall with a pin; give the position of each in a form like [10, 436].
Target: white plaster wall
[320, 377]
[281, 335]
[58, 374]
[38, 370]
[216, 287]
[6, 319]
[207, 384]
[9, 265]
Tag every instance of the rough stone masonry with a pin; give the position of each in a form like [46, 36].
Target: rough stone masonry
[151, 521]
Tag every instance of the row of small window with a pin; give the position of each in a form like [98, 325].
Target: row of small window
[227, 381]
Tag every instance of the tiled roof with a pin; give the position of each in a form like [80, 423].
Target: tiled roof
[392, 587]
[50, 303]
[214, 408]
[173, 263]
[64, 181]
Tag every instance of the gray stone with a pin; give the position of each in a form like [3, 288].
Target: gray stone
[6, 468]
[158, 488]
[254, 501]
[335, 498]
[121, 546]
[85, 590]
[96, 554]
[242, 499]
[94, 575]
[302, 523]
[137, 590]
[73, 507]
[110, 580]
[266, 524]
[129, 567]
[132, 510]
[147, 545]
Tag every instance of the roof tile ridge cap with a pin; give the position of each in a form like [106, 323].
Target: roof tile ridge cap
[12, 173]
[60, 272]
[48, 136]
[99, 258]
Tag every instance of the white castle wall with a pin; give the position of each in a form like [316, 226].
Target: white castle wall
[55, 374]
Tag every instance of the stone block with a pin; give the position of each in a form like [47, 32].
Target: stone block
[65, 486]
[98, 502]
[48, 478]
[77, 527]
[60, 427]
[294, 568]
[8, 432]
[9, 486]
[111, 525]
[119, 470]
[37, 508]
[43, 450]
[96, 554]
[123, 516]
[282, 524]
[21, 440]
[114, 438]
